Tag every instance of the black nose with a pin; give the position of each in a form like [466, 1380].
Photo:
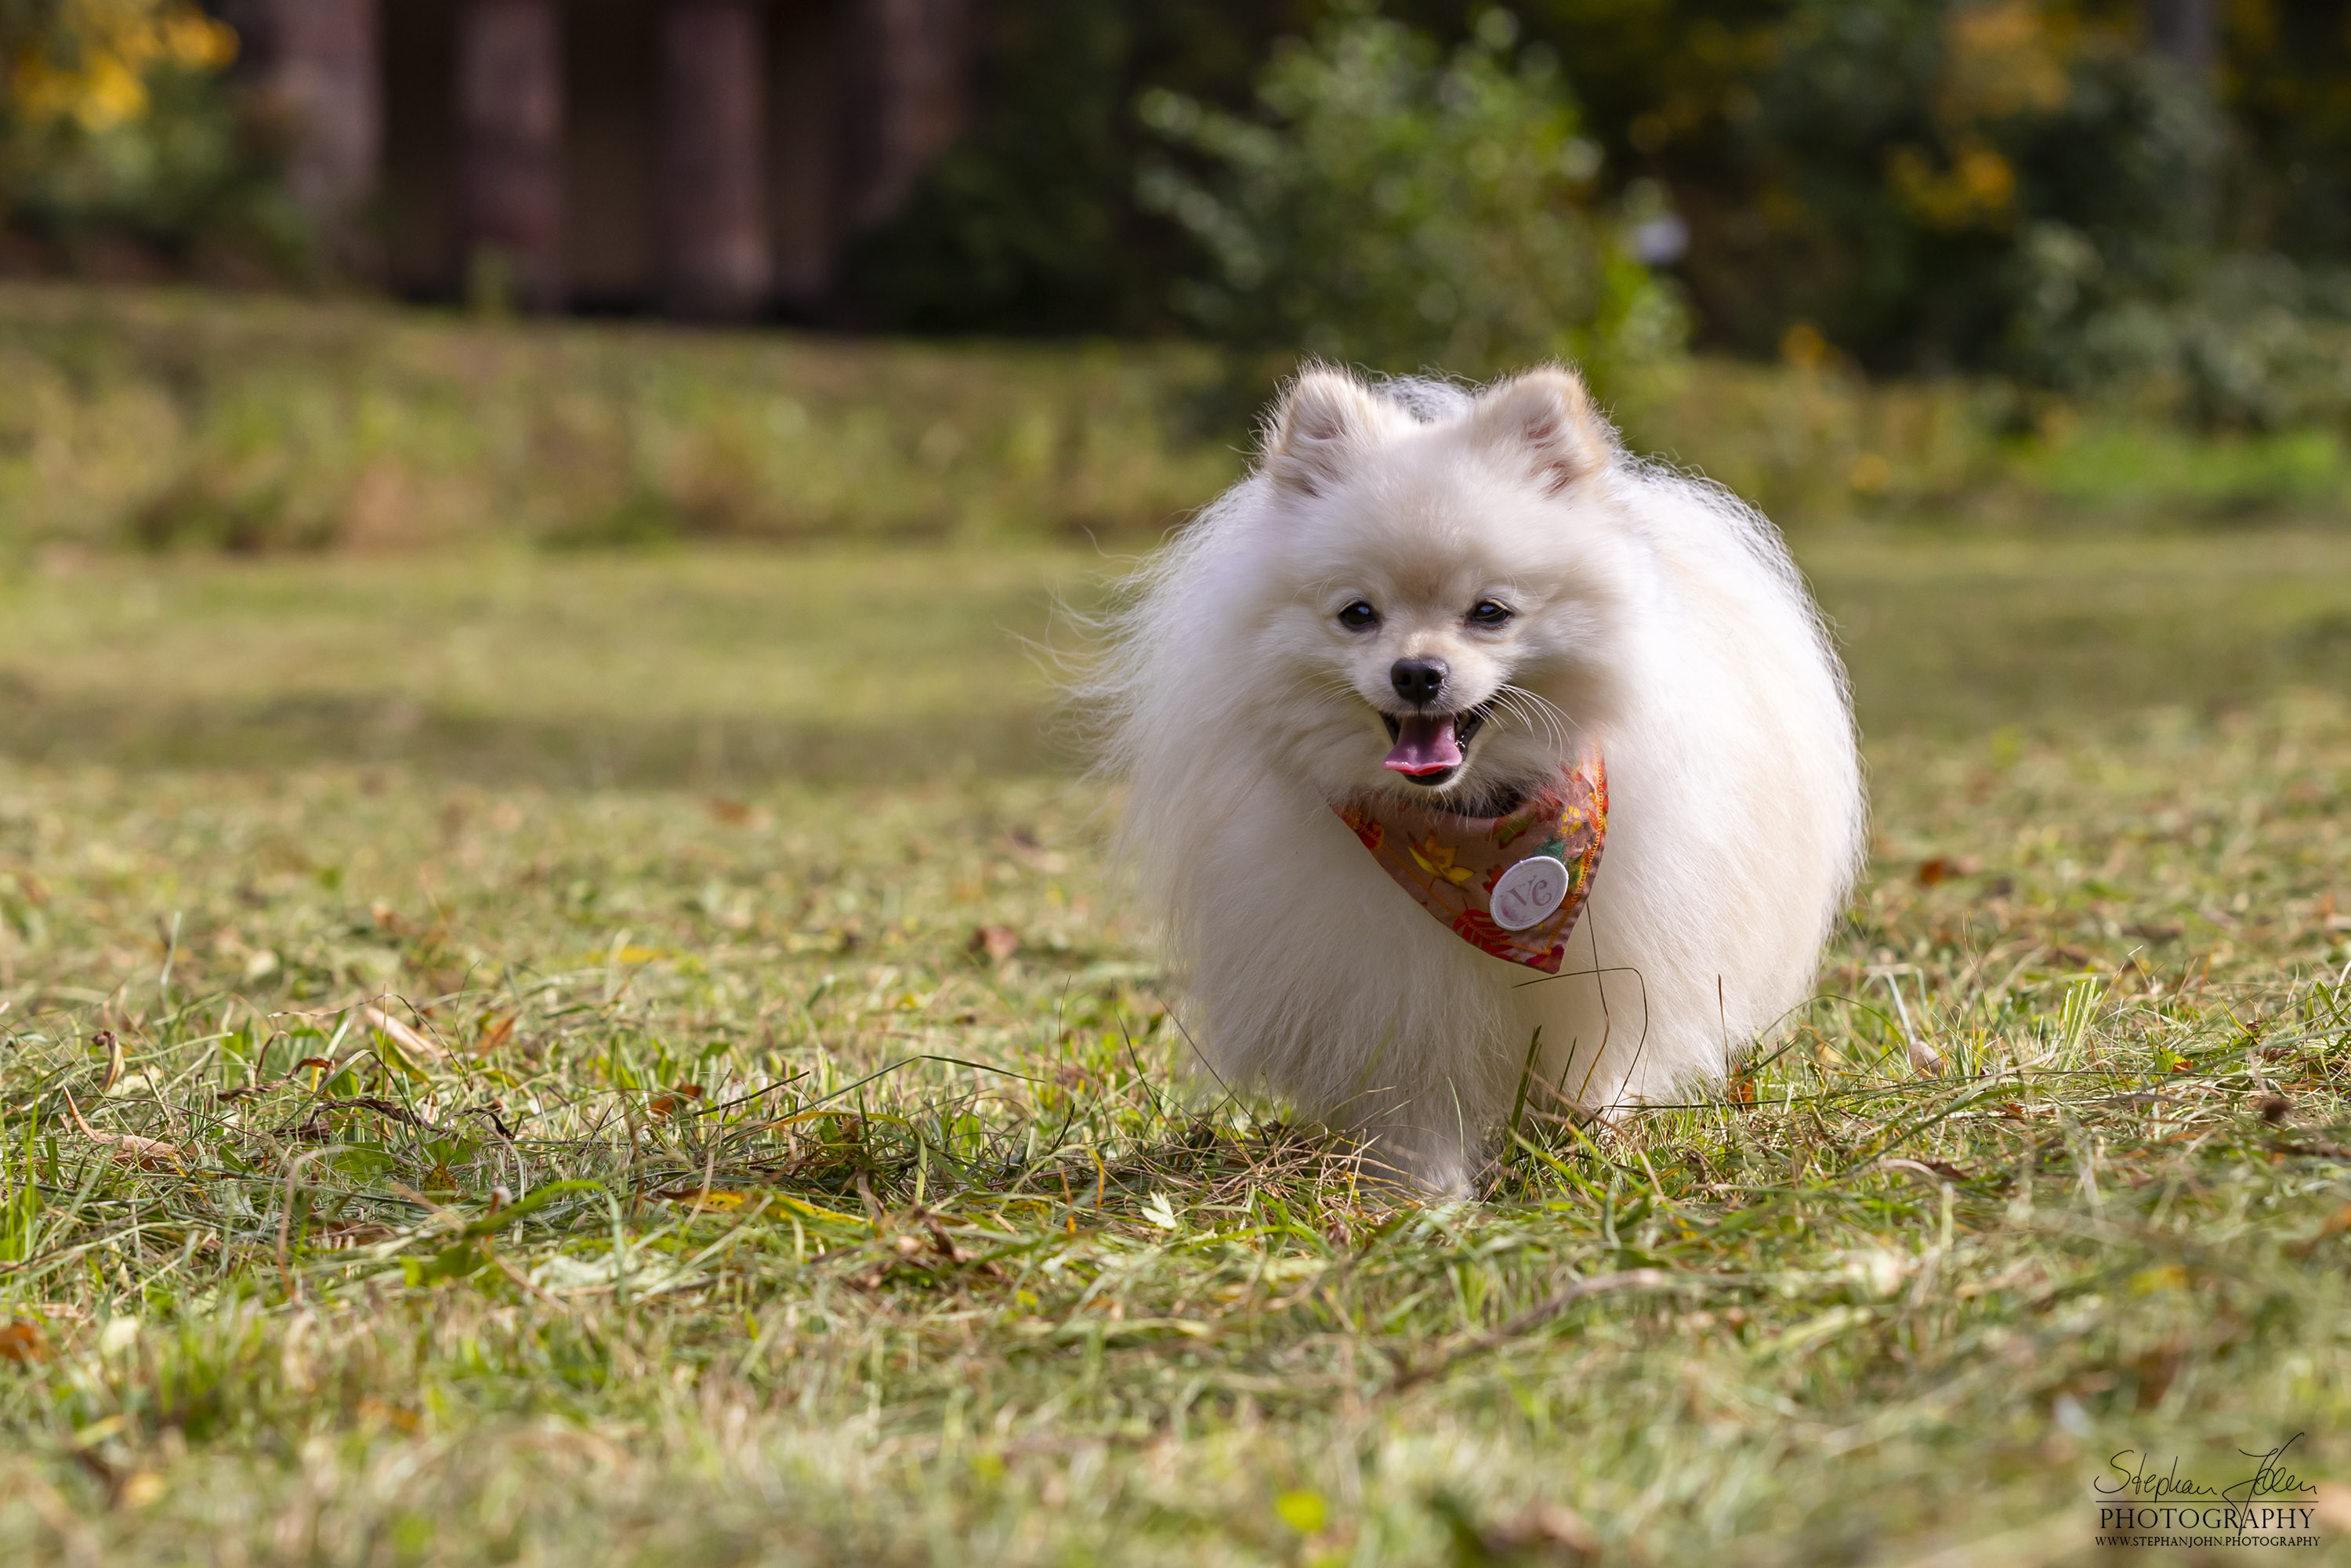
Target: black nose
[1418, 681]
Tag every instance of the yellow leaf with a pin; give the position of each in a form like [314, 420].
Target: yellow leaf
[1303, 1511]
[389, 1415]
[719, 1200]
[2165, 1276]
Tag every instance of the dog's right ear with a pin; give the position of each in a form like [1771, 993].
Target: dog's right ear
[1546, 416]
[1325, 421]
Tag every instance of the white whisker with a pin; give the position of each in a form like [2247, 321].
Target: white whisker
[1538, 715]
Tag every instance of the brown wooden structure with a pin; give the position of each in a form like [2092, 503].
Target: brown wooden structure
[705, 158]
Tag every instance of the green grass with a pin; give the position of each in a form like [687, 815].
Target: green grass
[722, 669]
[744, 1207]
[684, 668]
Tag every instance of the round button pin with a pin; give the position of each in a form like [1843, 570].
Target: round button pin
[1530, 892]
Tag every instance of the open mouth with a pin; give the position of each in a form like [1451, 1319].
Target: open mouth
[1430, 747]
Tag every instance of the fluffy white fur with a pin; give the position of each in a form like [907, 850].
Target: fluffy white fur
[1655, 613]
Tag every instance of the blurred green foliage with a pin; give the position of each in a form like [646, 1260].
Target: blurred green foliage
[251, 423]
[123, 148]
[2030, 191]
[162, 420]
[1392, 207]
[2015, 186]
[2022, 188]
[1030, 223]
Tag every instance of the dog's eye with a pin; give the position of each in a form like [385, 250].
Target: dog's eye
[1486, 612]
[1358, 616]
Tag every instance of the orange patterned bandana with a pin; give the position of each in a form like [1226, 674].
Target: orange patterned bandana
[1510, 885]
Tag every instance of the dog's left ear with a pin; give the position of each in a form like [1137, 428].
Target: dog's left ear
[1326, 422]
[1548, 415]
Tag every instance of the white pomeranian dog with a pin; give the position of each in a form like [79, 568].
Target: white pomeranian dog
[1452, 723]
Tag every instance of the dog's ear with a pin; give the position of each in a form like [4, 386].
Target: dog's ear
[1548, 415]
[1324, 422]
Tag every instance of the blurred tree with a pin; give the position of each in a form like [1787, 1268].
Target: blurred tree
[88, 61]
[1030, 223]
[2086, 195]
[2285, 85]
[1912, 179]
[2060, 190]
[2185, 32]
[117, 123]
[1393, 205]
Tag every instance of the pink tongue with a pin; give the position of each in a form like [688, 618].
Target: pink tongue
[1425, 745]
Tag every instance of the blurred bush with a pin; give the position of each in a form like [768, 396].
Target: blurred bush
[2253, 342]
[1813, 440]
[176, 420]
[2022, 189]
[1882, 169]
[1030, 223]
[2016, 187]
[252, 423]
[123, 148]
[1394, 207]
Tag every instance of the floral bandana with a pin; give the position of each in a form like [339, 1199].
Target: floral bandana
[1510, 885]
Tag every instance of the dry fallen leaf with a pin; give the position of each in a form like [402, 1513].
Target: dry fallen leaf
[115, 1059]
[401, 1035]
[1933, 1170]
[1546, 1532]
[998, 941]
[22, 1340]
[343, 1237]
[392, 1416]
[132, 1149]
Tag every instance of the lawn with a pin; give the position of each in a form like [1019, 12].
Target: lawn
[768, 1145]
